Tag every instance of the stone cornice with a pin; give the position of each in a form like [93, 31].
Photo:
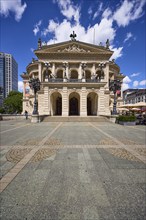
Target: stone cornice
[68, 84]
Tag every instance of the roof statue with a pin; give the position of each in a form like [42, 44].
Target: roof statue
[73, 36]
[39, 43]
[107, 44]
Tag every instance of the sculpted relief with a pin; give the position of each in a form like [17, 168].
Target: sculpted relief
[73, 48]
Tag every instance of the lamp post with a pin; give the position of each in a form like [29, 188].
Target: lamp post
[114, 85]
[47, 65]
[34, 83]
[101, 66]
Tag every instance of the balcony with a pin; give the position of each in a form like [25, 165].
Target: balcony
[61, 80]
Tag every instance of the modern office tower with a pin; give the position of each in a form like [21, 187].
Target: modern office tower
[8, 75]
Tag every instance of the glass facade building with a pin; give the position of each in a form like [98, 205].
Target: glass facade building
[8, 75]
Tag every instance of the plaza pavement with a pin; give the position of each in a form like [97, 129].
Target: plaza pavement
[72, 170]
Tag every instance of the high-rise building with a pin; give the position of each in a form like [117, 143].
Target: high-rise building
[8, 75]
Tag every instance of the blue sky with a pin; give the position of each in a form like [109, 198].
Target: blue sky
[122, 22]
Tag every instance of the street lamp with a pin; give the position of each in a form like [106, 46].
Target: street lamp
[101, 66]
[34, 84]
[114, 85]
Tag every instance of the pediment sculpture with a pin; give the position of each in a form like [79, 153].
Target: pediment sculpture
[73, 48]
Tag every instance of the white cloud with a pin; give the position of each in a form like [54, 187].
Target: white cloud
[98, 11]
[20, 86]
[117, 52]
[128, 36]
[37, 27]
[69, 10]
[124, 86]
[135, 83]
[129, 11]
[90, 11]
[14, 6]
[143, 83]
[126, 79]
[107, 13]
[135, 74]
[103, 30]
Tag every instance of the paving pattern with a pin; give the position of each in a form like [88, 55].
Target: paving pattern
[72, 170]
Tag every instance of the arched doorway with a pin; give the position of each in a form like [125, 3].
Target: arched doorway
[56, 104]
[74, 104]
[92, 102]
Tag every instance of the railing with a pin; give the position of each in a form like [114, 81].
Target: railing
[58, 80]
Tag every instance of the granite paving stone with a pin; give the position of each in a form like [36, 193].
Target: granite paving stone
[80, 172]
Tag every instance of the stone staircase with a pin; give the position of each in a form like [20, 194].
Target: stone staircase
[74, 119]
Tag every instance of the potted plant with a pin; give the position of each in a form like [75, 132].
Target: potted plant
[126, 119]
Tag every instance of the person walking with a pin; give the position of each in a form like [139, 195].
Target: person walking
[26, 114]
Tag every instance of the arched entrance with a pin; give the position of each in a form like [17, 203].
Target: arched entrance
[92, 103]
[56, 104]
[74, 104]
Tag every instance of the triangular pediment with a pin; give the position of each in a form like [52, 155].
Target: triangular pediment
[73, 47]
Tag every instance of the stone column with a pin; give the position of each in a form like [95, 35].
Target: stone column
[106, 72]
[65, 107]
[40, 72]
[46, 100]
[107, 98]
[101, 102]
[83, 102]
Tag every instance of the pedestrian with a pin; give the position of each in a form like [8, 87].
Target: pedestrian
[26, 114]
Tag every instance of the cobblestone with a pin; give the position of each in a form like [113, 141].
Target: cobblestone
[73, 171]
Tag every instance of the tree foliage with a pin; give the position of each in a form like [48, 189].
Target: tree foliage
[13, 103]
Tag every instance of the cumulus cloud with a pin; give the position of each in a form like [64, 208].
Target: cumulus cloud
[107, 13]
[69, 10]
[129, 11]
[20, 86]
[138, 84]
[117, 52]
[103, 30]
[14, 6]
[124, 86]
[37, 27]
[142, 83]
[135, 83]
[135, 74]
[126, 79]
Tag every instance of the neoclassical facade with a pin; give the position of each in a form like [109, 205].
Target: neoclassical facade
[74, 79]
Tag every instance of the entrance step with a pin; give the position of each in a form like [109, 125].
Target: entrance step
[74, 119]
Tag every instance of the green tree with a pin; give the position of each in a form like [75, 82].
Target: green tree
[13, 103]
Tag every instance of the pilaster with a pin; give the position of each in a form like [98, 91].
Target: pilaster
[65, 107]
[46, 100]
[101, 102]
[83, 102]
[40, 71]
